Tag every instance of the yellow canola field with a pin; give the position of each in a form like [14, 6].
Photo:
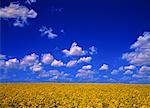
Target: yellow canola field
[51, 95]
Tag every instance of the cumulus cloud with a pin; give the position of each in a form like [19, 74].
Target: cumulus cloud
[93, 50]
[2, 64]
[2, 57]
[85, 59]
[17, 12]
[130, 67]
[114, 72]
[127, 72]
[71, 63]
[57, 63]
[126, 79]
[81, 60]
[30, 1]
[87, 67]
[140, 76]
[54, 72]
[43, 75]
[12, 63]
[145, 69]
[105, 76]
[104, 67]
[47, 58]
[54, 75]
[48, 32]
[143, 74]
[50, 73]
[85, 72]
[36, 67]
[121, 68]
[29, 60]
[142, 42]
[75, 50]
[141, 54]
[62, 78]
[126, 69]
[32, 62]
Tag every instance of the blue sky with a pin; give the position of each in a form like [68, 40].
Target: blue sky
[104, 41]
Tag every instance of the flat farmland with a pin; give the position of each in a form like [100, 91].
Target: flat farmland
[61, 95]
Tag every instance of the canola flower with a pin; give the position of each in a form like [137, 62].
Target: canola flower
[51, 95]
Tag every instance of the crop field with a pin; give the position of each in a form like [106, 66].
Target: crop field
[51, 95]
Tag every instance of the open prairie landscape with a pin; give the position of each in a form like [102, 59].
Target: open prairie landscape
[54, 95]
[74, 53]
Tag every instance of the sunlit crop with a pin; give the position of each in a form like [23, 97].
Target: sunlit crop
[74, 96]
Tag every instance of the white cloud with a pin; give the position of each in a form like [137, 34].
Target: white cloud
[145, 69]
[143, 42]
[140, 57]
[44, 75]
[75, 50]
[17, 12]
[137, 76]
[125, 79]
[114, 72]
[50, 73]
[85, 72]
[57, 63]
[12, 63]
[33, 1]
[71, 63]
[121, 68]
[47, 58]
[131, 67]
[105, 76]
[2, 57]
[128, 72]
[53, 72]
[87, 67]
[54, 75]
[125, 69]
[104, 67]
[93, 50]
[29, 60]
[143, 73]
[141, 54]
[111, 80]
[49, 32]
[30, 1]
[141, 78]
[36, 67]
[2, 64]
[85, 59]
[81, 60]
